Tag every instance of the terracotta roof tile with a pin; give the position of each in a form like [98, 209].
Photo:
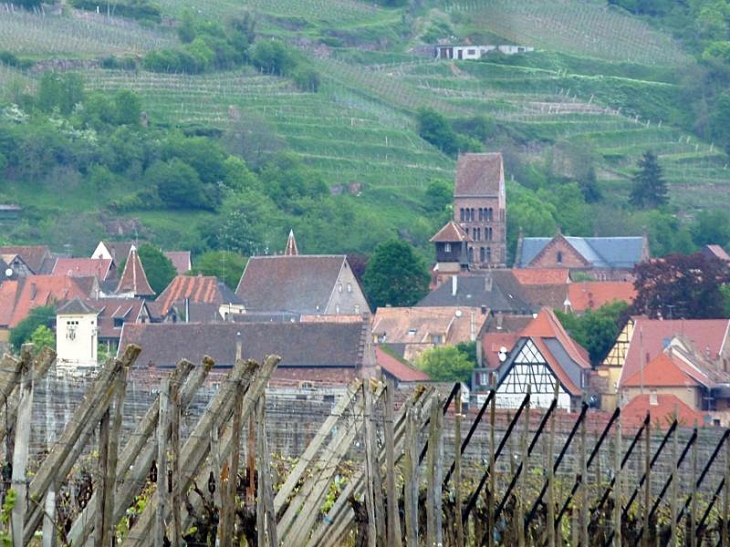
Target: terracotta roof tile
[43, 290]
[400, 370]
[198, 289]
[479, 175]
[8, 295]
[662, 413]
[493, 342]
[650, 336]
[665, 371]
[547, 325]
[591, 295]
[83, 267]
[451, 233]
[180, 261]
[542, 276]
[133, 279]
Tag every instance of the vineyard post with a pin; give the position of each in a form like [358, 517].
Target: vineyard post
[433, 474]
[675, 481]
[492, 471]
[726, 499]
[49, 517]
[393, 528]
[265, 516]
[370, 465]
[457, 471]
[22, 438]
[551, 477]
[410, 478]
[583, 482]
[647, 484]
[176, 499]
[522, 490]
[162, 428]
[228, 487]
[617, 486]
[693, 503]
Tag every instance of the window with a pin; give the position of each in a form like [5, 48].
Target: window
[471, 51]
[357, 308]
[437, 339]
[461, 214]
[118, 322]
[477, 234]
[559, 257]
[339, 286]
[488, 255]
[472, 215]
[471, 254]
[481, 214]
[447, 247]
[482, 254]
[349, 287]
[412, 332]
[488, 233]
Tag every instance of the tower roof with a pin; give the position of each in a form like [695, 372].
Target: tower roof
[451, 233]
[479, 175]
[134, 279]
[291, 245]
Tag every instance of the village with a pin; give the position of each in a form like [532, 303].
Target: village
[311, 310]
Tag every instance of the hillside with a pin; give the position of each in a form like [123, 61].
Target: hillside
[601, 87]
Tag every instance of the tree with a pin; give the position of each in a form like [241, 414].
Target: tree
[589, 187]
[446, 364]
[395, 275]
[711, 227]
[43, 337]
[434, 128]
[23, 331]
[681, 286]
[225, 265]
[649, 189]
[597, 329]
[439, 195]
[157, 266]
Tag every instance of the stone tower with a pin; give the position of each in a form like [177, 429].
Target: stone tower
[480, 208]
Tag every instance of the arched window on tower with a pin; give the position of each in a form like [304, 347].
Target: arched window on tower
[482, 254]
[559, 257]
[471, 254]
[488, 255]
[461, 214]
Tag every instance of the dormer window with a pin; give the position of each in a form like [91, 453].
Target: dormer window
[412, 332]
[559, 257]
[118, 322]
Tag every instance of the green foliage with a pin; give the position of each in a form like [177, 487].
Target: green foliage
[43, 337]
[480, 127]
[649, 189]
[142, 10]
[596, 330]
[395, 275]
[42, 316]
[711, 228]
[307, 79]
[273, 57]
[60, 91]
[227, 266]
[179, 186]
[439, 196]
[157, 267]
[725, 291]
[435, 129]
[446, 364]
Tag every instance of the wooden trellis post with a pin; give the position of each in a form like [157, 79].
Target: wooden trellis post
[393, 525]
[265, 499]
[22, 439]
[410, 479]
[458, 498]
[434, 528]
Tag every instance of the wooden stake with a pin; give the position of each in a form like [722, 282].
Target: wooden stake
[176, 498]
[457, 471]
[228, 487]
[674, 486]
[49, 517]
[393, 524]
[434, 528]
[617, 486]
[162, 494]
[370, 466]
[492, 471]
[22, 439]
[267, 529]
[410, 478]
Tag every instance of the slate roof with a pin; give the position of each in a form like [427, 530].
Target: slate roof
[399, 370]
[502, 294]
[34, 256]
[298, 344]
[199, 289]
[118, 249]
[451, 233]
[594, 294]
[650, 336]
[76, 307]
[546, 325]
[83, 267]
[300, 283]
[478, 175]
[601, 252]
[180, 261]
[133, 279]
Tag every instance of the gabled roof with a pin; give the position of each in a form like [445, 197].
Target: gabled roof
[83, 267]
[417, 325]
[717, 251]
[119, 250]
[300, 283]
[479, 175]
[113, 311]
[34, 256]
[197, 289]
[76, 307]
[493, 342]
[600, 252]
[498, 290]
[299, 344]
[547, 325]
[180, 261]
[662, 407]
[398, 369]
[591, 295]
[133, 279]
[651, 336]
[451, 233]
[542, 276]
[43, 290]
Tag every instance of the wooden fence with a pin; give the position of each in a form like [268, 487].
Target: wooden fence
[383, 468]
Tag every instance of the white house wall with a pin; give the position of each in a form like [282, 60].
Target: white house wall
[76, 341]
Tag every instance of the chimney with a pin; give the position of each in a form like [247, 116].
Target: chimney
[239, 347]
[500, 318]
[488, 281]
[187, 310]
[472, 327]
[454, 284]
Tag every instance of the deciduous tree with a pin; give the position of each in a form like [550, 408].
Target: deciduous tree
[157, 267]
[446, 364]
[395, 275]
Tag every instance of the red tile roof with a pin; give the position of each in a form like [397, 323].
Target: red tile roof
[83, 267]
[542, 276]
[479, 175]
[556, 367]
[493, 342]
[8, 294]
[197, 288]
[180, 261]
[667, 371]
[650, 336]
[662, 413]
[591, 295]
[134, 279]
[43, 290]
[401, 371]
[547, 325]
[451, 233]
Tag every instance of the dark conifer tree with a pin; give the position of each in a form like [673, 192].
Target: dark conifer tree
[650, 189]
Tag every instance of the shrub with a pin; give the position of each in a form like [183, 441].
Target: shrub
[307, 79]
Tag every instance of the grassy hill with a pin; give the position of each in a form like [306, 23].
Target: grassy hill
[600, 81]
